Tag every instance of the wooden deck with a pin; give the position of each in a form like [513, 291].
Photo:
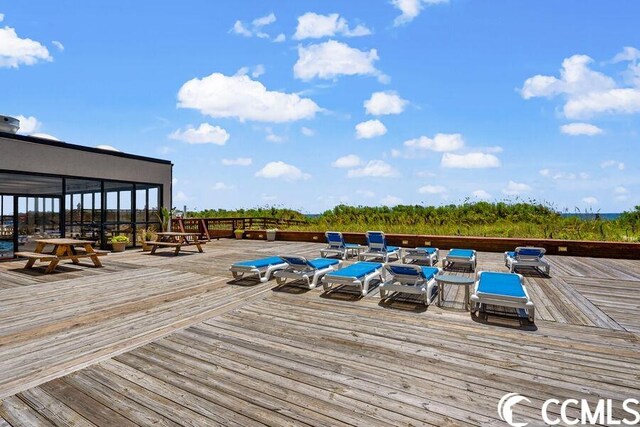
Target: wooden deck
[171, 340]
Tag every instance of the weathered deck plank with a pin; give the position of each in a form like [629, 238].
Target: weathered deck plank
[109, 346]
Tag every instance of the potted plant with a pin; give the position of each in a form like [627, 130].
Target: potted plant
[146, 235]
[119, 243]
[239, 233]
[271, 234]
[164, 216]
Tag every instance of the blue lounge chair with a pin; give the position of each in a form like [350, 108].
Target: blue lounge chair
[263, 268]
[527, 257]
[460, 256]
[429, 255]
[410, 279]
[503, 289]
[300, 268]
[337, 246]
[359, 275]
[377, 247]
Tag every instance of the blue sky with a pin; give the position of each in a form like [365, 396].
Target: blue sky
[307, 104]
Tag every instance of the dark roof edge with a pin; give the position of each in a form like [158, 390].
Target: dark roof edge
[62, 144]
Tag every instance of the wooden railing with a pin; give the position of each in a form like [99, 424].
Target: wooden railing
[224, 227]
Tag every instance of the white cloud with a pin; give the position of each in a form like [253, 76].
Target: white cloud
[257, 71]
[282, 170]
[240, 161]
[45, 136]
[621, 193]
[432, 189]
[620, 190]
[411, 9]
[15, 51]
[240, 29]
[470, 161]
[481, 194]
[588, 93]
[628, 54]
[272, 137]
[563, 176]
[590, 200]
[374, 168]
[28, 125]
[370, 129]
[307, 131]
[614, 101]
[221, 186]
[390, 200]
[280, 38]
[238, 96]
[348, 161]
[58, 45]
[441, 142]
[331, 59]
[181, 196]
[312, 25]
[382, 103]
[515, 188]
[263, 21]
[107, 148]
[575, 129]
[632, 74]
[203, 134]
[255, 29]
[612, 164]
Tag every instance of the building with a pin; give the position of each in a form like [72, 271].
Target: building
[51, 188]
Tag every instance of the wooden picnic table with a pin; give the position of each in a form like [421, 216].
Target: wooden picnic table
[176, 240]
[62, 249]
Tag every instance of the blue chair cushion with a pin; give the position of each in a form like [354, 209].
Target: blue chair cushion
[357, 270]
[530, 252]
[461, 253]
[320, 263]
[351, 245]
[334, 238]
[392, 248]
[376, 238]
[427, 272]
[430, 251]
[503, 284]
[260, 263]
[511, 254]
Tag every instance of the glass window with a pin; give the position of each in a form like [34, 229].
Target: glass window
[141, 205]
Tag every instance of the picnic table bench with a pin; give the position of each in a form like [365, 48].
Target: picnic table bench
[176, 240]
[63, 249]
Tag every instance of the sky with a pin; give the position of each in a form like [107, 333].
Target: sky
[310, 104]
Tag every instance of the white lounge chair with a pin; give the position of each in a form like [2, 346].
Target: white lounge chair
[377, 247]
[527, 256]
[460, 256]
[337, 246]
[300, 268]
[409, 279]
[429, 255]
[503, 289]
[359, 275]
[263, 268]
